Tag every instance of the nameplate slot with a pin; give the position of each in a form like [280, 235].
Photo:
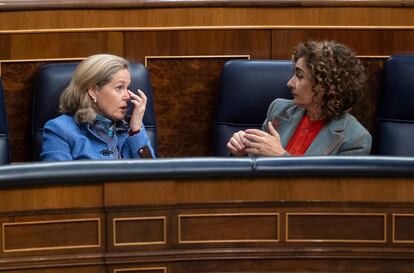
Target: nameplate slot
[135, 231]
[51, 235]
[403, 228]
[228, 228]
[336, 227]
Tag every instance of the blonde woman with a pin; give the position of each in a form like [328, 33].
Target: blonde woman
[93, 107]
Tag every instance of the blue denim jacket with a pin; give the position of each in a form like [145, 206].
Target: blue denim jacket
[64, 139]
[343, 136]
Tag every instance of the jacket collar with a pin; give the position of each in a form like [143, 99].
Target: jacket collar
[120, 126]
[329, 138]
[288, 120]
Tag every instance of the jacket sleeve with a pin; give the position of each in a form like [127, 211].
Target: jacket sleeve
[140, 145]
[55, 146]
[357, 142]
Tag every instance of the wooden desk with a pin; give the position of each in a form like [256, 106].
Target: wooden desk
[219, 223]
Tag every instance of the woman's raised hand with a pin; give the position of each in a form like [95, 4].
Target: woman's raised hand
[140, 103]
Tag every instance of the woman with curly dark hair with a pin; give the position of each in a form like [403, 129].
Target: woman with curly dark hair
[326, 82]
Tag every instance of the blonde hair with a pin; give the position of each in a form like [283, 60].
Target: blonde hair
[96, 70]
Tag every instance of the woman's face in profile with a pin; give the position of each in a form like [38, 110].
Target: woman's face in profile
[301, 85]
[112, 98]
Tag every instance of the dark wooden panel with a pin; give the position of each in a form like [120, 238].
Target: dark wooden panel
[403, 228]
[4, 47]
[335, 227]
[365, 109]
[230, 227]
[51, 235]
[139, 231]
[65, 45]
[352, 15]
[185, 93]
[402, 42]
[18, 80]
[363, 42]
[255, 43]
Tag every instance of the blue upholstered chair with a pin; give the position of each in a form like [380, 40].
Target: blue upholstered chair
[395, 124]
[4, 134]
[246, 90]
[52, 79]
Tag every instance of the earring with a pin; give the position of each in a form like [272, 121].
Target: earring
[94, 100]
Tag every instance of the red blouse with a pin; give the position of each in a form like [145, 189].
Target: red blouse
[305, 133]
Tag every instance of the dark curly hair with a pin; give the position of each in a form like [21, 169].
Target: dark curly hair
[338, 76]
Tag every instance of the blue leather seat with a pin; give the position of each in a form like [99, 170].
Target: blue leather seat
[395, 124]
[247, 87]
[52, 79]
[4, 135]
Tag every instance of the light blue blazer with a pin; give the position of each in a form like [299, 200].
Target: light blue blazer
[64, 139]
[343, 136]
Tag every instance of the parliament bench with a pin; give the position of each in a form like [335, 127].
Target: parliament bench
[209, 214]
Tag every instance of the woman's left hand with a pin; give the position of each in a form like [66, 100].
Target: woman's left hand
[260, 143]
[140, 103]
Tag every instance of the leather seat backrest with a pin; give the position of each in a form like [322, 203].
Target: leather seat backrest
[51, 81]
[247, 87]
[4, 133]
[395, 124]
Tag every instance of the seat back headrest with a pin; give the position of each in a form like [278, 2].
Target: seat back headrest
[246, 90]
[395, 124]
[396, 101]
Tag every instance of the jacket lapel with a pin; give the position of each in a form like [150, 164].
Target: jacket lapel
[288, 124]
[328, 139]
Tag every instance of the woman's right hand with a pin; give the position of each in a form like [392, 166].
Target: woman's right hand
[260, 143]
[236, 144]
[140, 103]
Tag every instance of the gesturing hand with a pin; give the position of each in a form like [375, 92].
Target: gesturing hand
[140, 103]
[261, 143]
